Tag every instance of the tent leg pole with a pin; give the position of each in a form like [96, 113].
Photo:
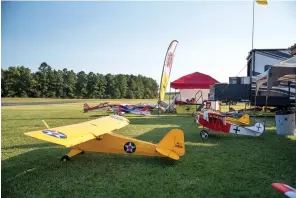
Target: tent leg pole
[169, 97]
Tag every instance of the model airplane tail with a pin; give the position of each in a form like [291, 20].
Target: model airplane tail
[172, 145]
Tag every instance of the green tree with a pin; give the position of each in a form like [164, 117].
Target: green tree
[101, 86]
[17, 81]
[139, 90]
[92, 85]
[3, 84]
[46, 82]
[81, 85]
[69, 82]
[121, 84]
[110, 86]
[42, 77]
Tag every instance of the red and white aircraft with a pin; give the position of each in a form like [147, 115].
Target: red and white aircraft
[285, 189]
[217, 122]
[119, 109]
[146, 111]
[99, 107]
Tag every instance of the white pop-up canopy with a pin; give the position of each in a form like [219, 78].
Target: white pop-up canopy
[285, 71]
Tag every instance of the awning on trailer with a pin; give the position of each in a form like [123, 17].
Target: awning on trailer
[285, 71]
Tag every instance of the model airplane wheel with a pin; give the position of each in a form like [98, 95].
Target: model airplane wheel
[204, 134]
[65, 158]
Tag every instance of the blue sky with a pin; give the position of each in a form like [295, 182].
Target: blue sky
[132, 37]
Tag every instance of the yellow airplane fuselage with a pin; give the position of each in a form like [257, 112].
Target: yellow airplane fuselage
[114, 143]
[172, 145]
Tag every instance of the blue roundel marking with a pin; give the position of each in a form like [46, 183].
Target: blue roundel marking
[55, 134]
[129, 147]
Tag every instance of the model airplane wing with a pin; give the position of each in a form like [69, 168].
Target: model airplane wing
[244, 120]
[74, 134]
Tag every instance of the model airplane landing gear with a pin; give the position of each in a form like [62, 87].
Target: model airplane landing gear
[72, 153]
[204, 134]
[65, 158]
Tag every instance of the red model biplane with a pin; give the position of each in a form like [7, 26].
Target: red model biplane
[217, 122]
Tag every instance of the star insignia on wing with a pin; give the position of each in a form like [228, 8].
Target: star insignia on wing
[55, 133]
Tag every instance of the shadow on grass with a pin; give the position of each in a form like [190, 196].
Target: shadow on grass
[30, 146]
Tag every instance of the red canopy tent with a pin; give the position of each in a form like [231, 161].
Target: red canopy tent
[195, 80]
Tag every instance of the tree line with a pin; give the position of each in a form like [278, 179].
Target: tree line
[20, 81]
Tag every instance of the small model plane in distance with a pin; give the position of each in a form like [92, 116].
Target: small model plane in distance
[141, 105]
[285, 189]
[218, 123]
[138, 111]
[96, 136]
[119, 109]
[99, 107]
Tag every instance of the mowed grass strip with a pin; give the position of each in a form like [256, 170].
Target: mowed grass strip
[222, 166]
[90, 101]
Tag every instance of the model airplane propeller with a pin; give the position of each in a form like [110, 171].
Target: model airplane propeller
[96, 136]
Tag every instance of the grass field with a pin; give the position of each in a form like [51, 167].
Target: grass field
[222, 166]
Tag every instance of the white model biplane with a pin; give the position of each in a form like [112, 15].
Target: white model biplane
[96, 136]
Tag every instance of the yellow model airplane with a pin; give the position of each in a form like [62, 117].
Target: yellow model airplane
[96, 136]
